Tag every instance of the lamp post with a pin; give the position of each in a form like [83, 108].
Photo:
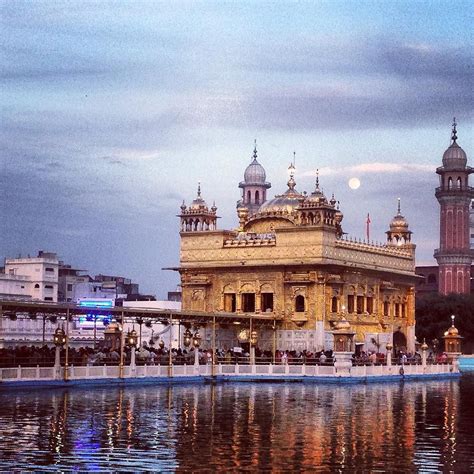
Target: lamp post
[132, 343]
[389, 348]
[187, 338]
[196, 343]
[59, 339]
[452, 345]
[424, 348]
[253, 343]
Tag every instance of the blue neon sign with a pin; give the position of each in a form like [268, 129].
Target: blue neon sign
[96, 303]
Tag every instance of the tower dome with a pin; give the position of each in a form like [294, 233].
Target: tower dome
[198, 202]
[454, 157]
[399, 233]
[284, 203]
[317, 197]
[277, 212]
[254, 187]
[255, 172]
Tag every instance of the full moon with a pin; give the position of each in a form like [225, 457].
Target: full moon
[354, 183]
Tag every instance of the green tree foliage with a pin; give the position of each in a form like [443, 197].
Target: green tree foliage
[433, 317]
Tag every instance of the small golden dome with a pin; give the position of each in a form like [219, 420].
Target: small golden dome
[343, 324]
[453, 331]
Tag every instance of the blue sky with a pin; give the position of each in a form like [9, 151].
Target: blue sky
[113, 111]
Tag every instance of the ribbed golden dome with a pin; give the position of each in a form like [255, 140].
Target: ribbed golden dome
[283, 204]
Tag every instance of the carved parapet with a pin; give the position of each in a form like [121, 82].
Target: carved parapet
[195, 280]
[380, 249]
[238, 243]
[299, 277]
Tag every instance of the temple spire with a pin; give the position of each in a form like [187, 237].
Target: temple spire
[317, 179]
[255, 150]
[399, 207]
[199, 189]
[454, 136]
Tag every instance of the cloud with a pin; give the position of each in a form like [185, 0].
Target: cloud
[371, 168]
[365, 84]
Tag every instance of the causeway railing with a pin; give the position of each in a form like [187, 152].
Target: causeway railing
[230, 370]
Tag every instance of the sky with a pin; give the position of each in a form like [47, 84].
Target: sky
[112, 112]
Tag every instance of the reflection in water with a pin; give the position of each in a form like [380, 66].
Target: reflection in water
[401, 427]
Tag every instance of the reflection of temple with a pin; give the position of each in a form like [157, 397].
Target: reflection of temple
[290, 258]
[228, 427]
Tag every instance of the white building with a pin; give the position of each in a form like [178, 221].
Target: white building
[31, 278]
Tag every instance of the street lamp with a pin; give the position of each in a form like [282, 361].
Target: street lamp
[187, 338]
[131, 341]
[253, 343]
[196, 343]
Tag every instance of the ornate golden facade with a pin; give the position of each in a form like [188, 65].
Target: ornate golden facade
[291, 259]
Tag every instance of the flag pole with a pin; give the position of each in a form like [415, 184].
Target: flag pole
[368, 227]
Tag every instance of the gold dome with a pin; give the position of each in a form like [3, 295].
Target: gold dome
[282, 206]
[342, 325]
[452, 331]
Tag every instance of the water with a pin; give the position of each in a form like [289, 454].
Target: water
[406, 427]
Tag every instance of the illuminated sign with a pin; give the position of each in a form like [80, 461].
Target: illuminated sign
[96, 303]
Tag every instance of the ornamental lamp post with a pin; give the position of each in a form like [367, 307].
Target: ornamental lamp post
[452, 344]
[424, 348]
[59, 339]
[389, 348]
[253, 343]
[132, 341]
[196, 343]
[187, 338]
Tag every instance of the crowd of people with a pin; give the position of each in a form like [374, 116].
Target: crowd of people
[44, 356]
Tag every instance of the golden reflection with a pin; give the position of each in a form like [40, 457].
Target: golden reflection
[58, 423]
[257, 427]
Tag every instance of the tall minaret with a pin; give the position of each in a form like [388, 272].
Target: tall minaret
[454, 195]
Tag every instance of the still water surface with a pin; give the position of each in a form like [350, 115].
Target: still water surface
[406, 427]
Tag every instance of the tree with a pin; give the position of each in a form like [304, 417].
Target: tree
[433, 317]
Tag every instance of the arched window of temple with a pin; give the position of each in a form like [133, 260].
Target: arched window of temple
[459, 185]
[386, 308]
[299, 304]
[450, 183]
[257, 197]
[249, 197]
[334, 304]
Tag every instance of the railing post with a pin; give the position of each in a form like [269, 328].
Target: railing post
[213, 345]
[133, 365]
[66, 361]
[122, 347]
[170, 358]
[57, 362]
[274, 342]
